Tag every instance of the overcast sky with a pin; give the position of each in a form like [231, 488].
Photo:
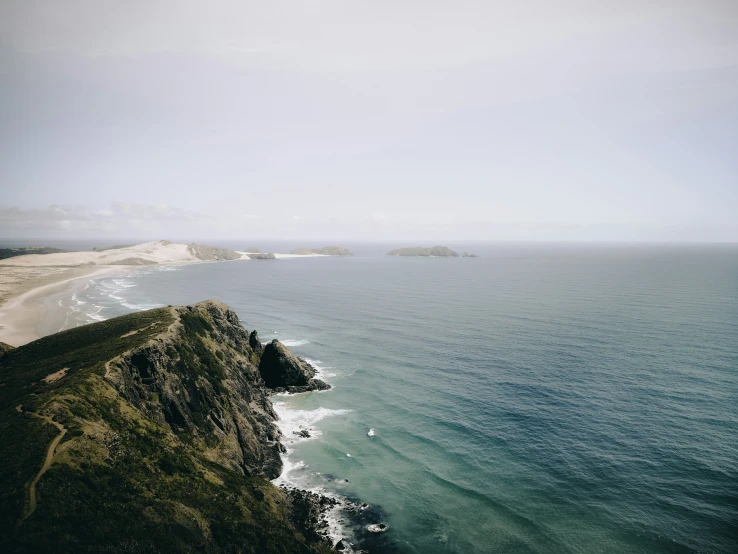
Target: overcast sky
[358, 119]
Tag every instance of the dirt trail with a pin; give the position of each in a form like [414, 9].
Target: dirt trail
[31, 506]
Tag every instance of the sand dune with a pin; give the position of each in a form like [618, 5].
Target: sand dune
[155, 252]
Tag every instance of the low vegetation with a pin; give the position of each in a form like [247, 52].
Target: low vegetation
[131, 473]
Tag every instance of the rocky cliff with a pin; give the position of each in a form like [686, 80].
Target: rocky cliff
[152, 432]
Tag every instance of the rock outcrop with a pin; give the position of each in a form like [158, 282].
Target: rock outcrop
[200, 381]
[261, 256]
[282, 371]
[254, 342]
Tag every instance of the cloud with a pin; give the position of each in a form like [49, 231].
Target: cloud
[120, 217]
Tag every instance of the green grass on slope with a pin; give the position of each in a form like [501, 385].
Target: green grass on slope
[129, 484]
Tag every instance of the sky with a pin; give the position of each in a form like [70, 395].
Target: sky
[369, 120]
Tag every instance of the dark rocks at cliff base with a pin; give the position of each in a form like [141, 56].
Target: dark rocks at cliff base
[282, 371]
[307, 512]
[254, 342]
[342, 545]
[304, 433]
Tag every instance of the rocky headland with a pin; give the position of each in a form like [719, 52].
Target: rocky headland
[158, 435]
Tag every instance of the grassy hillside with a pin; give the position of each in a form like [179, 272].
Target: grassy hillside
[144, 433]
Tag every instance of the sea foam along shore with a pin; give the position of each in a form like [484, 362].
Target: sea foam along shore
[297, 426]
[26, 280]
[23, 308]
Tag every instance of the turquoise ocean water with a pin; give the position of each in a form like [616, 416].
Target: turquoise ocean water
[540, 399]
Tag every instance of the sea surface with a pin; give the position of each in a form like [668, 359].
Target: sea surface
[539, 399]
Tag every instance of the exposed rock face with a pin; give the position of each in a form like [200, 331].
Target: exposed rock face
[254, 342]
[307, 509]
[325, 251]
[160, 433]
[201, 382]
[435, 251]
[261, 256]
[283, 371]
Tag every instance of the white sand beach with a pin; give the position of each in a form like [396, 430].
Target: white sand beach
[26, 280]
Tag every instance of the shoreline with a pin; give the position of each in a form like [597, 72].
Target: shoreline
[31, 303]
[23, 307]
[24, 287]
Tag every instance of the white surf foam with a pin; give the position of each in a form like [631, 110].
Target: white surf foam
[321, 372]
[294, 342]
[291, 420]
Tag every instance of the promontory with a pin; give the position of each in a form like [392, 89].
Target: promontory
[151, 432]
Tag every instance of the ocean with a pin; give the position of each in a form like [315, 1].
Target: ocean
[538, 399]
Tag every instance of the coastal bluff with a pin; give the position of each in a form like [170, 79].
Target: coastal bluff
[150, 432]
[434, 251]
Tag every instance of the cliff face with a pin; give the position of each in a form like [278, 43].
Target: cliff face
[200, 381]
[151, 432]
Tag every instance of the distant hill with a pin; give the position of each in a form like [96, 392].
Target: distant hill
[435, 251]
[12, 252]
[325, 251]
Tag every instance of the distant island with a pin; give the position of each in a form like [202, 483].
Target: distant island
[435, 251]
[325, 251]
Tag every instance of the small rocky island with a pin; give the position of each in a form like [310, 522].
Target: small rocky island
[325, 251]
[435, 251]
